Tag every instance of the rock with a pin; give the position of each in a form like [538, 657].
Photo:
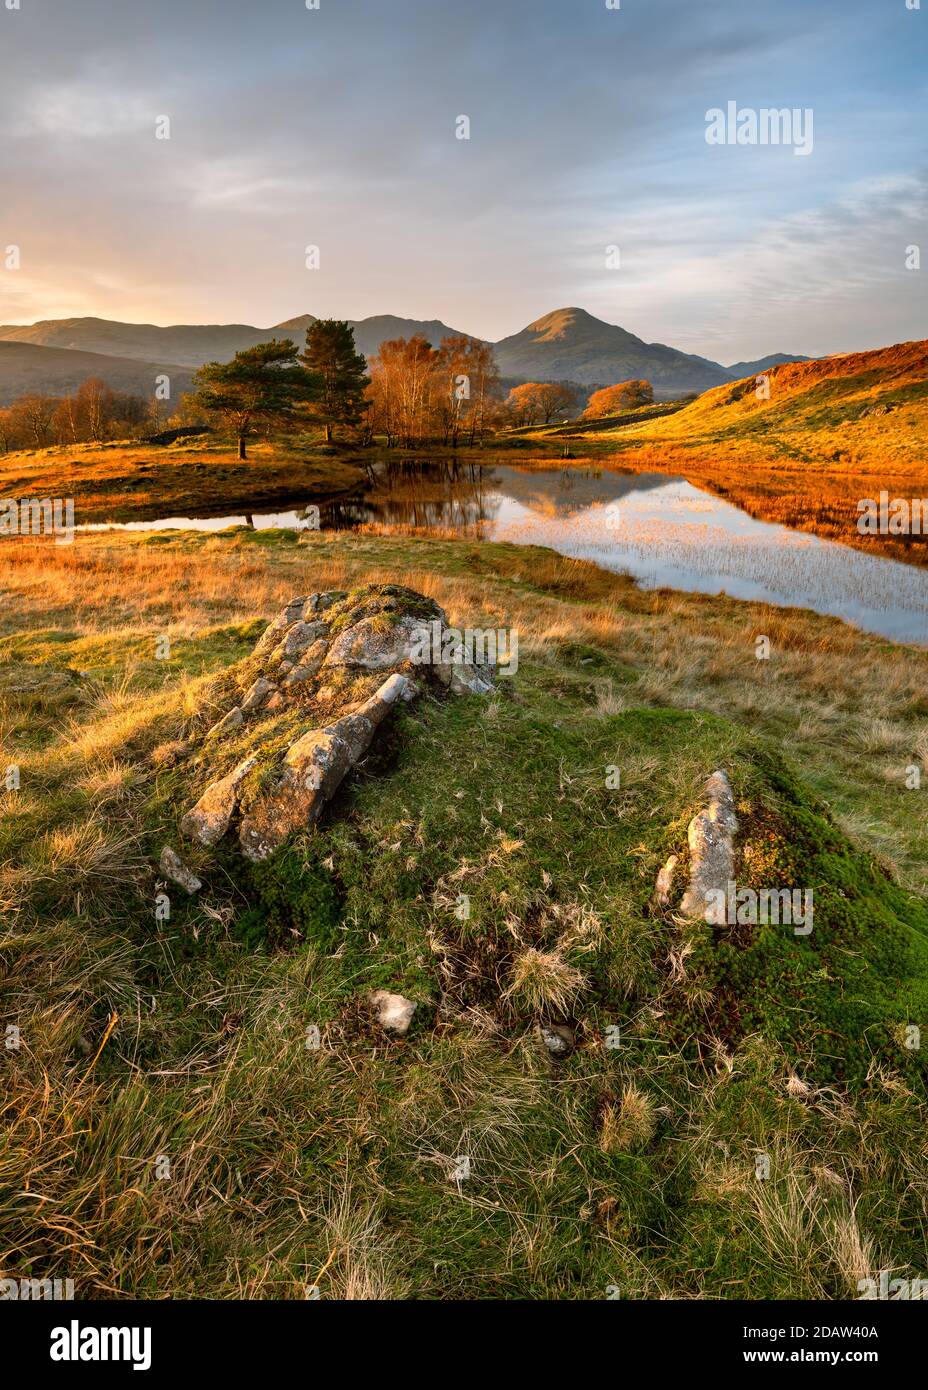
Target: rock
[373, 647]
[468, 679]
[174, 868]
[232, 720]
[393, 1012]
[712, 852]
[318, 603]
[272, 634]
[313, 769]
[663, 887]
[557, 1038]
[309, 665]
[209, 819]
[257, 694]
[300, 637]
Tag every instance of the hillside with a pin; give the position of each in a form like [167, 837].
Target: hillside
[864, 411]
[55, 371]
[572, 345]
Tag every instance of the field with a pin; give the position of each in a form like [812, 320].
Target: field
[631, 1166]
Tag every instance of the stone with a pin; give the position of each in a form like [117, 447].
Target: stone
[309, 665]
[318, 603]
[272, 634]
[256, 695]
[233, 720]
[712, 852]
[663, 887]
[210, 818]
[393, 1012]
[557, 1038]
[173, 867]
[373, 647]
[300, 637]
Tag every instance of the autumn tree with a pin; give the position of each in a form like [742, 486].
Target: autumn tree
[467, 387]
[540, 401]
[402, 392]
[261, 386]
[612, 400]
[331, 358]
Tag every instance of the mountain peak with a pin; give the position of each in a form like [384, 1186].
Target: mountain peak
[560, 321]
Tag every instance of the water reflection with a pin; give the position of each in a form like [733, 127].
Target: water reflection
[660, 529]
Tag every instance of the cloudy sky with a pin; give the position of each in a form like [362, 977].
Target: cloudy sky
[336, 127]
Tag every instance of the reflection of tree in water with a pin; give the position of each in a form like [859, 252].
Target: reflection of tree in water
[420, 494]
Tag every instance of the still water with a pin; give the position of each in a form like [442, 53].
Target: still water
[657, 528]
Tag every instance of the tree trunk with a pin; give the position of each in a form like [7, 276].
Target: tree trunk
[241, 447]
[328, 432]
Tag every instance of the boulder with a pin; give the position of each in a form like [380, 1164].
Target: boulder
[300, 637]
[313, 769]
[374, 646]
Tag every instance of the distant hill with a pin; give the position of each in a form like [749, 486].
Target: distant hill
[190, 345]
[738, 370]
[55, 371]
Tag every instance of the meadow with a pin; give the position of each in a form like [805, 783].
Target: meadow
[632, 1166]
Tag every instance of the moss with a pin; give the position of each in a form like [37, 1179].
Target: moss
[296, 901]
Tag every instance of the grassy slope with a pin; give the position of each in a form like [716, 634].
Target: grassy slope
[631, 1167]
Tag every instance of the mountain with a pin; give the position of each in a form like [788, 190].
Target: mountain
[55, 371]
[739, 370]
[190, 345]
[565, 345]
[572, 345]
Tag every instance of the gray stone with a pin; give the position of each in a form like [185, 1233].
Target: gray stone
[232, 720]
[174, 868]
[272, 634]
[374, 647]
[712, 852]
[257, 694]
[663, 888]
[209, 819]
[393, 1012]
[313, 769]
[557, 1038]
[300, 637]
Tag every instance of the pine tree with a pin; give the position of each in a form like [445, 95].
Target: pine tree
[263, 385]
[331, 356]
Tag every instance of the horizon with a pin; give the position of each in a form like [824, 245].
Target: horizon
[148, 197]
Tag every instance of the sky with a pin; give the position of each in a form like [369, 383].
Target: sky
[337, 127]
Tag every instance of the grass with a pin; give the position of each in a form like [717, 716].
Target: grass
[170, 1130]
